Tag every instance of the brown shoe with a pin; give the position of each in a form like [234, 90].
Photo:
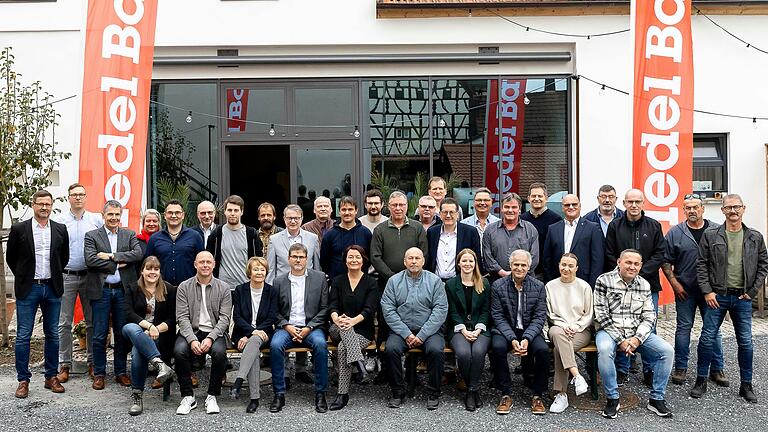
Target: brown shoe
[461, 385]
[63, 376]
[157, 384]
[54, 385]
[195, 383]
[537, 406]
[678, 376]
[505, 405]
[90, 371]
[719, 378]
[98, 382]
[23, 390]
[124, 380]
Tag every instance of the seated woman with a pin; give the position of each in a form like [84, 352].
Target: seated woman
[569, 309]
[150, 314]
[254, 312]
[352, 304]
[468, 316]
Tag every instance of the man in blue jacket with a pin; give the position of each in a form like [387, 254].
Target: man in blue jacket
[606, 210]
[349, 231]
[176, 246]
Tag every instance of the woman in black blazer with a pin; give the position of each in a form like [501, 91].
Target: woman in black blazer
[254, 311]
[150, 314]
[352, 304]
[468, 314]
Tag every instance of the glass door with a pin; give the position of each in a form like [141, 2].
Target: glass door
[323, 169]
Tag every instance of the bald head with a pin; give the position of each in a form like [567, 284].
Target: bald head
[204, 264]
[414, 261]
[206, 212]
[633, 202]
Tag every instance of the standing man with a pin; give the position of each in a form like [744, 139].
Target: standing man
[682, 256]
[415, 307]
[374, 200]
[636, 231]
[446, 240]
[541, 217]
[606, 210]
[37, 251]
[482, 217]
[349, 231]
[732, 267]
[78, 222]
[509, 234]
[576, 235]
[428, 212]
[277, 254]
[625, 317]
[203, 308]
[302, 318]
[233, 244]
[111, 254]
[206, 213]
[267, 226]
[322, 222]
[176, 246]
[437, 189]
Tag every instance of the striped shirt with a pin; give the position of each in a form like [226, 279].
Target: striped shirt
[623, 310]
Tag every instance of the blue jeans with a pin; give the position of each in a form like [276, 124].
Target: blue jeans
[657, 352]
[686, 314]
[316, 341]
[111, 302]
[144, 350]
[44, 297]
[623, 362]
[741, 315]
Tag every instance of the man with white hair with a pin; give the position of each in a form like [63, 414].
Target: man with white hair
[322, 223]
[206, 214]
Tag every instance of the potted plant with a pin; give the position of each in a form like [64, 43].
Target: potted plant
[79, 332]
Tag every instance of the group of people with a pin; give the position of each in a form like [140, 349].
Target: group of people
[483, 285]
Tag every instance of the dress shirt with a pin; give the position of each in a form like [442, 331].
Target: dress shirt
[207, 232]
[568, 232]
[42, 236]
[603, 223]
[298, 316]
[112, 237]
[446, 254]
[475, 222]
[76, 228]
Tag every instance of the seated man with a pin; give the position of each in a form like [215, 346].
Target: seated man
[415, 306]
[625, 318]
[302, 316]
[203, 307]
[519, 310]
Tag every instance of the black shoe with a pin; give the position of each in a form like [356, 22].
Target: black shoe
[718, 377]
[395, 401]
[277, 403]
[234, 392]
[304, 377]
[659, 407]
[321, 405]
[747, 392]
[699, 388]
[253, 405]
[469, 401]
[621, 378]
[611, 409]
[478, 401]
[433, 402]
[340, 402]
[648, 379]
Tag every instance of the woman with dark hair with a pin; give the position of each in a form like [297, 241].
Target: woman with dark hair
[150, 314]
[468, 316]
[254, 312]
[352, 305]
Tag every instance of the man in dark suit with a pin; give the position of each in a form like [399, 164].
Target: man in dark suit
[446, 240]
[301, 320]
[576, 235]
[206, 214]
[111, 254]
[38, 250]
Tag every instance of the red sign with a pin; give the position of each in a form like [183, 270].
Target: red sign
[504, 138]
[237, 109]
[662, 136]
[119, 49]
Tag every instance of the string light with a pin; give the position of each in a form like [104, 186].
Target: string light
[442, 122]
[272, 129]
[748, 44]
[754, 123]
[356, 133]
[554, 33]
[189, 117]
[526, 100]
[602, 90]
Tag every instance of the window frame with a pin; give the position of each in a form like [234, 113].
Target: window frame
[721, 145]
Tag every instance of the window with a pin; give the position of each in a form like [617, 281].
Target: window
[710, 167]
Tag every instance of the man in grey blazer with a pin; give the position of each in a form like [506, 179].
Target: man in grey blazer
[302, 317]
[111, 253]
[277, 252]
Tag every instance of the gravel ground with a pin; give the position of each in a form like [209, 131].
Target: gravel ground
[81, 408]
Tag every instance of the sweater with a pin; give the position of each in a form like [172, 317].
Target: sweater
[569, 303]
[389, 243]
[336, 240]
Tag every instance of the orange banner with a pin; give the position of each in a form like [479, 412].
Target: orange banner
[119, 49]
[662, 136]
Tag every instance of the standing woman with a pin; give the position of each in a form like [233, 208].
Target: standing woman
[254, 312]
[468, 315]
[352, 304]
[150, 224]
[150, 316]
[569, 310]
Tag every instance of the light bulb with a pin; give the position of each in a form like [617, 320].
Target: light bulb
[272, 129]
[189, 117]
[602, 90]
[356, 133]
[526, 100]
[442, 122]
[754, 123]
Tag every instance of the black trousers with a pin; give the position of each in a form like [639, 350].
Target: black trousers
[536, 363]
[433, 352]
[182, 352]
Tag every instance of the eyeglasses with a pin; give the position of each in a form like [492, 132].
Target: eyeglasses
[174, 213]
[77, 195]
[633, 202]
[297, 257]
[733, 208]
[604, 197]
[292, 218]
[693, 196]
[569, 205]
[426, 206]
[43, 205]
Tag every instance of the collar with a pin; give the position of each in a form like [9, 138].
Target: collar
[389, 223]
[110, 232]
[296, 277]
[454, 232]
[574, 223]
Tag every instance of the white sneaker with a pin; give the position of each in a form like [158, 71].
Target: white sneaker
[580, 384]
[211, 406]
[188, 403]
[560, 403]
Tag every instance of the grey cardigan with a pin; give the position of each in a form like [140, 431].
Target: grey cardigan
[188, 301]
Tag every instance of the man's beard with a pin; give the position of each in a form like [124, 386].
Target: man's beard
[374, 212]
[266, 225]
